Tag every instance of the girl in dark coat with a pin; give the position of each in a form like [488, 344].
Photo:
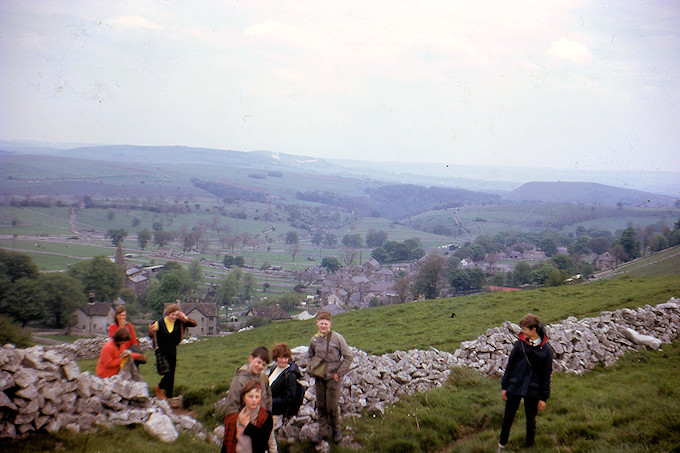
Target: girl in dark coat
[249, 429]
[283, 383]
[527, 375]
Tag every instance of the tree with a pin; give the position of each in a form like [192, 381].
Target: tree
[375, 238]
[477, 277]
[658, 242]
[116, 235]
[248, 286]
[331, 264]
[317, 238]
[196, 271]
[581, 246]
[352, 240]
[428, 279]
[174, 284]
[61, 296]
[541, 272]
[17, 265]
[330, 240]
[402, 287]
[143, 237]
[135, 222]
[564, 262]
[548, 245]
[556, 277]
[629, 243]
[99, 275]
[294, 248]
[380, 255]
[24, 301]
[460, 280]
[229, 287]
[288, 301]
[522, 274]
[600, 245]
[162, 238]
[292, 238]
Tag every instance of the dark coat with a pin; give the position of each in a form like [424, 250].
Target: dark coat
[529, 369]
[284, 389]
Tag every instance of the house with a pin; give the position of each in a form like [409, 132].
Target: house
[606, 261]
[205, 315]
[338, 297]
[304, 316]
[137, 280]
[534, 255]
[515, 255]
[333, 309]
[273, 312]
[92, 319]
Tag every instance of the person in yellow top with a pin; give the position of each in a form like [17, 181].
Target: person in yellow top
[168, 332]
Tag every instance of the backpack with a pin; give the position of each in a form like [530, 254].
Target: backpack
[299, 395]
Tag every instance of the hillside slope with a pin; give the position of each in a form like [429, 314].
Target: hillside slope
[586, 193]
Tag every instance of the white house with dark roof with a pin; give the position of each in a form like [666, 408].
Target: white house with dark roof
[92, 319]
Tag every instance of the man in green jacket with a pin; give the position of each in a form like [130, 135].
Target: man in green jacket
[332, 348]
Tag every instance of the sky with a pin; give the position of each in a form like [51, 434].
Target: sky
[574, 84]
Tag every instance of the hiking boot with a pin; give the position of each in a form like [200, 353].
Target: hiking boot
[160, 393]
[501, 448]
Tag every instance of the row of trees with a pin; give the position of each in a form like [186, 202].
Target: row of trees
[28, 295]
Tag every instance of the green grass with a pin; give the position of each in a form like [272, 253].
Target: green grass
[587, 413]
[665, 262]
[632, 406]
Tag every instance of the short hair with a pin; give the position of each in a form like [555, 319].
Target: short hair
[531, 321]
[281, 350]
[120, 309]
[323, 314]
[121, 335]
[261, 352]
[171, 309]
[252, 384]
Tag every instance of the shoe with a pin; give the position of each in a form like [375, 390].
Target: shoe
[160, 393]
[500, 448]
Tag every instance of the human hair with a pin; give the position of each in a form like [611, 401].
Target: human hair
[323, 314]
[252, 384]
[531, 321]
[121, 335]
[171, 309]
[281, 350]
[262, 352]
[119, 309]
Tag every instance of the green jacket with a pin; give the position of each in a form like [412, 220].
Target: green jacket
[339, 354]
[243, 375]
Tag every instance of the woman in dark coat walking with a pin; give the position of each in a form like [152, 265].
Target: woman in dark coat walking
[527, 375]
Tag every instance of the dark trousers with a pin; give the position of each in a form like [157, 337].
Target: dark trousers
[530, 409]
[327, 408]
[168, 380]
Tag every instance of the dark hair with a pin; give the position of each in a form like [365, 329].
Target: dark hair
[281, 350]
[323, 314]
[261, 352]
[252, 384]
[531, 321]
[121, 335]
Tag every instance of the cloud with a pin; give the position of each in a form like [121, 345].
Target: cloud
[134, 22]
[571, 51]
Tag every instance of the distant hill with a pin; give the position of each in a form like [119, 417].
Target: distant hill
[586, 193]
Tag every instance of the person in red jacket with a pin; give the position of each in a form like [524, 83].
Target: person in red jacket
[113, 355]
[120, 321]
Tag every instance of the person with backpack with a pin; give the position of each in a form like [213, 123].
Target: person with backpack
[283, 382]
[527, 376]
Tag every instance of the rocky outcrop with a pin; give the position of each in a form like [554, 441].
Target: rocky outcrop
[580, 345]
[89, 348]
[43, 389]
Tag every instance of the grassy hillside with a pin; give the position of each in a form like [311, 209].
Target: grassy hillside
[633, 406]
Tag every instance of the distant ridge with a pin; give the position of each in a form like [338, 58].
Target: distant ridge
[586, 193]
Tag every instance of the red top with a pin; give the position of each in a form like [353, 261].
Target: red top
[109, 360]
[133, 339]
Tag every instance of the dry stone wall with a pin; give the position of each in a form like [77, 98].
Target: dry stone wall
[580, 345]
[41, 388]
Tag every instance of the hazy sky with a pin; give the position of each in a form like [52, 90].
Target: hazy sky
[562, 84]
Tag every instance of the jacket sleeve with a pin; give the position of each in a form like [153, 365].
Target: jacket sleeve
[546, 375]
[347, 357]
[260, 435]
[289, 389]
[267, 392]
[112, 329]
[133, 337]
[509, 368]
[234, 396]
[311, 351]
